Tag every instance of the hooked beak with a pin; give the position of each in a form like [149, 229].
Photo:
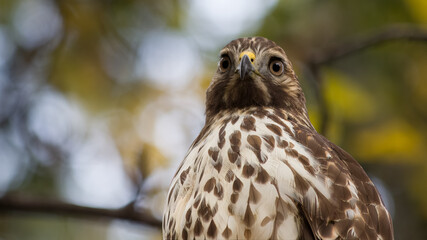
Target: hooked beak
[245, 67]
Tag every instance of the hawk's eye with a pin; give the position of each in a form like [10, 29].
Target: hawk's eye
[276, 67]
[224, 63]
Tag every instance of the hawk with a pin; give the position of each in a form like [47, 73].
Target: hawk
[259, 169]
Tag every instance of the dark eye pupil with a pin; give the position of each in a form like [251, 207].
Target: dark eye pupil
[224, 64]
[276, 67]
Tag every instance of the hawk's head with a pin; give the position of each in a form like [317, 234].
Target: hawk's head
[254, 72]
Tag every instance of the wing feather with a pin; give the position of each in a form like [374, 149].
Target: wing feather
[355, 209]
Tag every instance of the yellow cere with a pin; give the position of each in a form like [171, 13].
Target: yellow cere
[251, 56]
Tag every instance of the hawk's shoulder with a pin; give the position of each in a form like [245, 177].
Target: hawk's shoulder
[355, 209]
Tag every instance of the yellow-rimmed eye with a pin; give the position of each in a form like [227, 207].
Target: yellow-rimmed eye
[224, 63]
[277, 67]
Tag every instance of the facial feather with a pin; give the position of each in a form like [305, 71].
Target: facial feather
[262, 87]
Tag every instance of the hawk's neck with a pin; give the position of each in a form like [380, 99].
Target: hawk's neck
[279, 115]
[297, 117]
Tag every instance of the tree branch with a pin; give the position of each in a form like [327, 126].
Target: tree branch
[39, 205]
[388, 34]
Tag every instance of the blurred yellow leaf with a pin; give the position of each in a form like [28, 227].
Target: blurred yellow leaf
[417, 81]
[206, 81]
[418, 9]
[348, 99]
[395, 141]
[78, 74]
[151, 158]
[135, 153]
[314, 114]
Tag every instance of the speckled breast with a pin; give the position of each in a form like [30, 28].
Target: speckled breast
[237, 182]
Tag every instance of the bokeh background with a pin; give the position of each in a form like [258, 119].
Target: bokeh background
[100, 100]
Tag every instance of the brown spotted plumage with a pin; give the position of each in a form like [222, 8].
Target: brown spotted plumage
[259, 170]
